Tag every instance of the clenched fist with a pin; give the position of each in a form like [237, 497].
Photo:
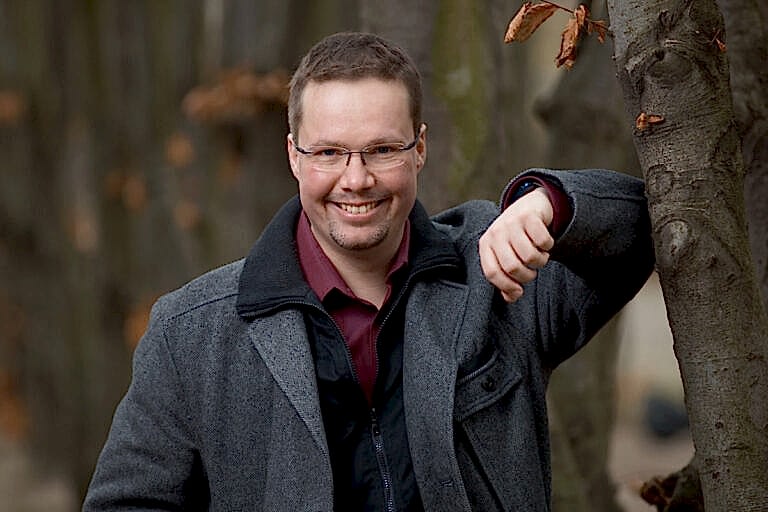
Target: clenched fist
[517, 244]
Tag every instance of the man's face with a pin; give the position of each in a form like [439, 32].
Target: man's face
[356, 211]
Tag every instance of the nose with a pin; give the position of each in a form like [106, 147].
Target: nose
[355, 175]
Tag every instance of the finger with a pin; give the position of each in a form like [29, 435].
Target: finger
[511, 296]
[495, 273]
[530, 256]
[514, 259]
[539, 234]
[519, 256]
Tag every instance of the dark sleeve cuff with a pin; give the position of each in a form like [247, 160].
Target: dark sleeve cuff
[561, 206]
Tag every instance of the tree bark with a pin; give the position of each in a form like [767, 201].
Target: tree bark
[669, 64]
[746, 29]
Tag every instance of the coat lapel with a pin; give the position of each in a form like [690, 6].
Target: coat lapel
[433, 322]
[282, 342]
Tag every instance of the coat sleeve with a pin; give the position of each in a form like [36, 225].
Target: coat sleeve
[599, 262]
[150, 460]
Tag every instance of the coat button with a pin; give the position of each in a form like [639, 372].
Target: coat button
[489, 383]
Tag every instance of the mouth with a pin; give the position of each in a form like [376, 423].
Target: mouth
[358, 209]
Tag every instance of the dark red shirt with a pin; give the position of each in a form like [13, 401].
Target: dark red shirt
[358, 319]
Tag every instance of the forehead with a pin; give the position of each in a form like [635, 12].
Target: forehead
[368, 106]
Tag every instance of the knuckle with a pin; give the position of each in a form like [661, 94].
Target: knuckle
[513, 267]
[529, 259]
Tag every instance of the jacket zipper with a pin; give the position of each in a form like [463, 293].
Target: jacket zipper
[381, 458]
[378, 443]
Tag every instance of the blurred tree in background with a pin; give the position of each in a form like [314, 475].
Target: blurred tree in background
[143, 142]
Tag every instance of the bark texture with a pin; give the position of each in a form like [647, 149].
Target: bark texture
[670, 64]
[746, 29]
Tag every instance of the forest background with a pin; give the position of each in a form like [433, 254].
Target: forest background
[143, 143]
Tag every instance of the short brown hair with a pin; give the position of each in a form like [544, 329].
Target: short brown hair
[352, 56]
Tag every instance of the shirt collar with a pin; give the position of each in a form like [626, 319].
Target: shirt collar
[321, 275]
[271, 277]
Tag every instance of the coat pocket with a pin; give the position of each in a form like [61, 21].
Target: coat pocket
[485, 385]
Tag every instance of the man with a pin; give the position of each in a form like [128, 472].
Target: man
[364, 356]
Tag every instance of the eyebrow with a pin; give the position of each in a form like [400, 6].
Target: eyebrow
[374, 142]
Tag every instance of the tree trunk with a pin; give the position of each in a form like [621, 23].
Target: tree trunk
[670, 65]
[746, 28]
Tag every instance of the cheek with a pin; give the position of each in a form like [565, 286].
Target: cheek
[408, 182]
[313, 185]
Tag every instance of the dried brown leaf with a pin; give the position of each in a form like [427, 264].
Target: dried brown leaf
[179, 151]
[655, 492]
[13, 107]
[238, 96]
[136, 321]
[644, 121]
[83, 230]
[134, 193]
[721, 45]
[14, 417]
[576, 26]
[568, 41]
[581, 13]
[187, 215]
[528, 18]
[598, 26]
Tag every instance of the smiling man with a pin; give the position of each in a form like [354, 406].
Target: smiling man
[357, 203]
[365, 356]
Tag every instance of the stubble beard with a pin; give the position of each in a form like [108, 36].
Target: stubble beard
[336, 231]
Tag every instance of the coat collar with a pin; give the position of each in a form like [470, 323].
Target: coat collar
[272, 277]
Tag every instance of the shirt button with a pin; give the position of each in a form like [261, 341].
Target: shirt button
[488, 384]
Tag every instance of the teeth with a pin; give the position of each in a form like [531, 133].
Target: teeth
[357, 209]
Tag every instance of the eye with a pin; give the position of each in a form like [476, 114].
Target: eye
[327, 152]
[384, 149]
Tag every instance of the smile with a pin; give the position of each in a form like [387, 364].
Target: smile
[358, 209]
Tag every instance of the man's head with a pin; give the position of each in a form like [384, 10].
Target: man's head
[356, 144]
[354, 56]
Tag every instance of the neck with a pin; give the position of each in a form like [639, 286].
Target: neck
[365, 273]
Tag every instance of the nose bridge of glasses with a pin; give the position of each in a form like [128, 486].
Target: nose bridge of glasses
[349, 154]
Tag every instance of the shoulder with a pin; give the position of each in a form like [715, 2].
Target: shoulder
[466, 221]
[217, 286]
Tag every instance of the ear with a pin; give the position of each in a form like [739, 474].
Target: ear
[421, 147]
[293, 155]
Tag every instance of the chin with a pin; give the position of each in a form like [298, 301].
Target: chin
[355, 242]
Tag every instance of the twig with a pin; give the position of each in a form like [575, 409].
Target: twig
[558, 6]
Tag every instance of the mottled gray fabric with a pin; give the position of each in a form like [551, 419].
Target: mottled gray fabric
[222, 412]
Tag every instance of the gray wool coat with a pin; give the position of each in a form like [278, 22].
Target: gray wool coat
[222, 412]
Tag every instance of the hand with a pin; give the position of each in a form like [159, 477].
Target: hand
[517, 243]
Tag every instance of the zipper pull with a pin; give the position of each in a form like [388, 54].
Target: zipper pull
[375, 423]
